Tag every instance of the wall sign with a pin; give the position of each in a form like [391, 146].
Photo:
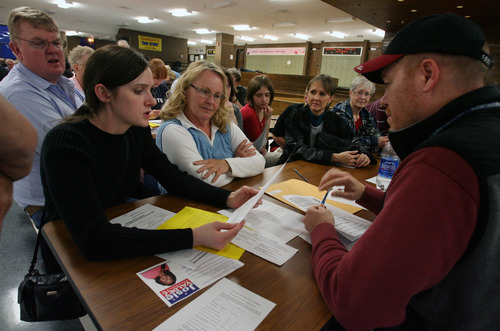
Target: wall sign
[150, 43]
[277, 51]
[355, 51]
[210, 51]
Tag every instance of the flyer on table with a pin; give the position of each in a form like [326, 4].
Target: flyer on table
[169, 282]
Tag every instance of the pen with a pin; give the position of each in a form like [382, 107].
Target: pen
[326, 194]
[298, 173]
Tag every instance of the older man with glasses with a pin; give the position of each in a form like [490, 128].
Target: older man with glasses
[361, 122]
[36, 87]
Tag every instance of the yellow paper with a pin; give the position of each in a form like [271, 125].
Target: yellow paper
[299, 187]
[190, 217]
[154, 125]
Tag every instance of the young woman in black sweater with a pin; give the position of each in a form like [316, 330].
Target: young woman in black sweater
[92, 161]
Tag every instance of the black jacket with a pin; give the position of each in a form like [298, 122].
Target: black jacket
[335, 137]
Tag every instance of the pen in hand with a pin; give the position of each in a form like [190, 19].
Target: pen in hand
[301, 176]
[326, 194]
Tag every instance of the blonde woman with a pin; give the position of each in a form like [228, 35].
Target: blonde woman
[198, 134]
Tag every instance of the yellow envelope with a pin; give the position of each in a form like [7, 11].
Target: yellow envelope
[190, 217]
[299, 187]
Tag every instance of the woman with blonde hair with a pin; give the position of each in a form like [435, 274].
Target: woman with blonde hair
[198, 134]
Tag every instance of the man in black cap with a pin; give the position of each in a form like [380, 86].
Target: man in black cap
[430, 260]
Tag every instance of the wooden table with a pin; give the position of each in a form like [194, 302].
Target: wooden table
[116, 298]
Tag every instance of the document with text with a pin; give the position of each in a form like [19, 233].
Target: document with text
[282, 222]
[264, 245]
[347, 224]
[225, 306]
[144, 217]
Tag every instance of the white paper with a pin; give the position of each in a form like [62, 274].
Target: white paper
[144, 217]
[282, 222]
[264, 245]
[225, 306]
[306, 236]
[191, 258]
[372, 180]
[347, 224]
[343, 200]
[239, 214]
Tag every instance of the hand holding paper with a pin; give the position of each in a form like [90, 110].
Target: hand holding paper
[240, 213]
[243, 195]
[210, 235]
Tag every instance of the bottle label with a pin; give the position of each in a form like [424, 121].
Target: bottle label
[388, 166]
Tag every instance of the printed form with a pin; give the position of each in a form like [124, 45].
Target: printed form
[225, 306]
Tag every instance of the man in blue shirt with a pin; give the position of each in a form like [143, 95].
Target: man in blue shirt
[36, 87]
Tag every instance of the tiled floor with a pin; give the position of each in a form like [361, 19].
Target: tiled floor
[17, 242]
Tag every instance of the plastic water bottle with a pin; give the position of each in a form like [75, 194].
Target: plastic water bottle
[389, 162]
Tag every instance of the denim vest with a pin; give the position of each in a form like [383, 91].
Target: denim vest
[221, 148]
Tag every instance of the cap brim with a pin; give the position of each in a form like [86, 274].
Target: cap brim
[373, 69]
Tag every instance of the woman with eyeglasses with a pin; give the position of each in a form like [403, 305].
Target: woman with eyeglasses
[360, 120]
[198, 134]
[91, 162]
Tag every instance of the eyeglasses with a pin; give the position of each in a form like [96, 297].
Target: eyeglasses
[362, 94]
[43, 43]
[207, 94]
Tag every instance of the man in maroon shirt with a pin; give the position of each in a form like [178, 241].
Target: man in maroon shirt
[430, 258]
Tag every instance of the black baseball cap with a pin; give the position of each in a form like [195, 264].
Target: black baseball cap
[446, 34]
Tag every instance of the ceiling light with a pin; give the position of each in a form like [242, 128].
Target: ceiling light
[144, 19]
[65, 4]
[245, 38]
[72, 33]
[340, 19]
[205, 41]
[266, 36]
[190, 42]
[338, 34]
[243, 27]
[378, 32]
[460, 7]
[224, 4]
[181, 12]
[413, 10]
[301, 36]
[283, 24]
[203, 31]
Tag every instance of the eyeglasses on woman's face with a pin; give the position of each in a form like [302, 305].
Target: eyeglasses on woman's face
[207, 94]
[362, 94]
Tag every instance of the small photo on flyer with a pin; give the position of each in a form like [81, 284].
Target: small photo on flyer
[169, 282]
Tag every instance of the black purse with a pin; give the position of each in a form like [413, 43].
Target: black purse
[47, 297]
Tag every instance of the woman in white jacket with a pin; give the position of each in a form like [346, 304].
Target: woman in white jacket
[197, 133]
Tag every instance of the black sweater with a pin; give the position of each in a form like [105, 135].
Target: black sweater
[86, 170]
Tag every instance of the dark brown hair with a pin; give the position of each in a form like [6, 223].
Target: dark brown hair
[255, 84]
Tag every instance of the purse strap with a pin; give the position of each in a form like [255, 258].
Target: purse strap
[32, 270]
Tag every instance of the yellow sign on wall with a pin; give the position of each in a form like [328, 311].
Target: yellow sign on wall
[150, 43]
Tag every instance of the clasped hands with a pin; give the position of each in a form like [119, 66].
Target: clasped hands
[218, 167]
